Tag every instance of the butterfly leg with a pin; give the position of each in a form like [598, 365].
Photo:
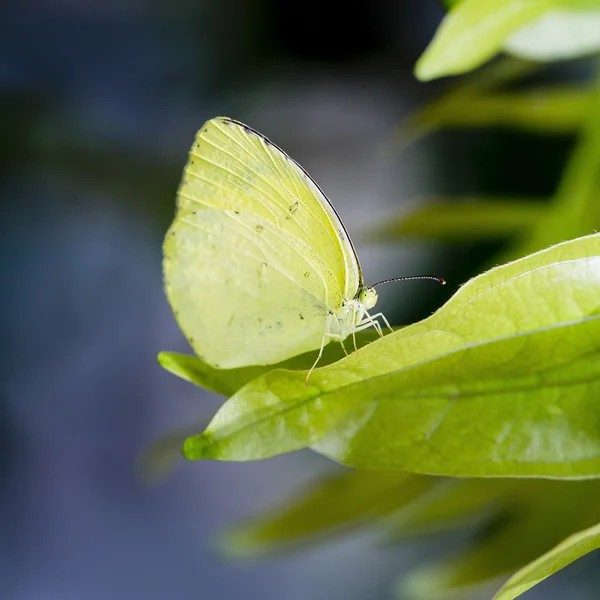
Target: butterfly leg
[382, 317]
[353, 331]
[333, 336]
[369, 318]
[343, 347]
[377, 328]
[370, 321]
[366, 325]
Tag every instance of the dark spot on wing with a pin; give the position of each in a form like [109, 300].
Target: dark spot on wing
[330, 312]
[246, 128]
[307, 274]
[259, 228]
[265, 264]
[264, 138]
[301, 316]
[279, 324]
[260, 319]
[237, 212]
[293, 208]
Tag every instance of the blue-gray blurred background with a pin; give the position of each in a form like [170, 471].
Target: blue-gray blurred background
[100, 101]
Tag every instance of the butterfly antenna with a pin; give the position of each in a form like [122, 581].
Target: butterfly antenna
[438, 279]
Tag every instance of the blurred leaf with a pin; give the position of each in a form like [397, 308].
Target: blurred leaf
[453, 504]
[228, 381]
[493, 76]
[539, 519]
[450, 3]
[470, 219]
[335, 504]
[27, 109]
[472, 32]
[154, 463]
[575, 210]
[502, 380]
[568, 551]
[410, 505]
[475, 30]
[548, 111]
[559, 34]
[443, 111]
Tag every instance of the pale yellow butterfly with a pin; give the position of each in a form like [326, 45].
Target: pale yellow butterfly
[258, 266]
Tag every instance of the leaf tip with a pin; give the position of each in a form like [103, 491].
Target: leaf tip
[237, 544]
[163, 358]
[423, 69]
[195, 447]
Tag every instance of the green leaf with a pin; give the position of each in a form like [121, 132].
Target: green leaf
[568, 551]
[334, 505]
[408, 504]
[228, 381]
[502, 380]
[452, 108]
[534, 522]
[453, 503]
[450, 3]
[553, 110]
[474, 31]
[575, 209]
[559, 34]
[470, 219]
[494, 76]
[196, 371]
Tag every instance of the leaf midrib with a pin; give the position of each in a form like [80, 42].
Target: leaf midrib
[286, 408]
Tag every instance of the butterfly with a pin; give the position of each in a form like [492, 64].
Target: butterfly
[258, 266]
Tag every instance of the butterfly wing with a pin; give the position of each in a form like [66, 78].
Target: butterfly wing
[231, 166]
[256, 257]
[243, 292]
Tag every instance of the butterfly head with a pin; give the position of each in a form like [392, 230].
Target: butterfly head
[368, 297]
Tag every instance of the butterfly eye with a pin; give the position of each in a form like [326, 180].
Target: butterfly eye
[368, 297]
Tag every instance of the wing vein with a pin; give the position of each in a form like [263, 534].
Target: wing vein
[264, 257]
[280, 180]
[249, 175]
[211, 182]
[301, 255]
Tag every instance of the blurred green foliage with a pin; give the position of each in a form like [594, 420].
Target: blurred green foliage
[474, 31]
[511, 522]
